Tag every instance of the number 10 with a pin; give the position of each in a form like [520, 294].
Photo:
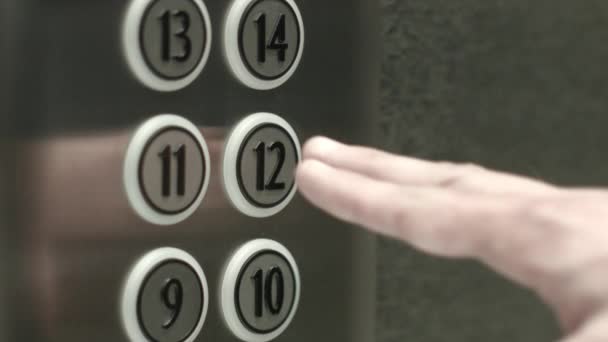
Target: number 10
[265, 286]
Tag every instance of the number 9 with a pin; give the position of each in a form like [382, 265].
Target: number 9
[172, 296]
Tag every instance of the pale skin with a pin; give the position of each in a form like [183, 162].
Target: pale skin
[552, 240]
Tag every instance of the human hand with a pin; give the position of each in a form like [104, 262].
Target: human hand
[552, 240]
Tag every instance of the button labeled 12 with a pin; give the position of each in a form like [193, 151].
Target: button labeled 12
[260, 159]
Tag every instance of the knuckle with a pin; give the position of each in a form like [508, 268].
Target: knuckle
[370, 156]
[460, 167]
[401, 218]
[447, 165]
[364, 209]
[470, 168]
[402, 223]
[547, 219]
[459, 175]
[541, 210]
[357, 206]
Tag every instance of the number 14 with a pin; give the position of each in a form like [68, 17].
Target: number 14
[277, 42]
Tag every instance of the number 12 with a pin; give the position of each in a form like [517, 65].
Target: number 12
[260, 151]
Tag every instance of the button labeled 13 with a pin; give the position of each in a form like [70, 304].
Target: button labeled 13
[167, 41]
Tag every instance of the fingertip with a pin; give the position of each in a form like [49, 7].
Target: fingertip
[306, 171]
[311, 178]
[318, 147]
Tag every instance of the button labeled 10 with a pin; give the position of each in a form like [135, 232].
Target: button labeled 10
[260, 291]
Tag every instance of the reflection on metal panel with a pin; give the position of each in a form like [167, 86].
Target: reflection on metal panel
[70, 235]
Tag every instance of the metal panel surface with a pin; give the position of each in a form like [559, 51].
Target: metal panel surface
[74, 106]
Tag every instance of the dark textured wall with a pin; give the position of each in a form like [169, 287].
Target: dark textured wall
[517, 85]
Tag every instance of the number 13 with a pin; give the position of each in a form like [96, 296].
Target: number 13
[168, 35]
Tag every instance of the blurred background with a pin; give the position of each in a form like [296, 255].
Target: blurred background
[517, 85]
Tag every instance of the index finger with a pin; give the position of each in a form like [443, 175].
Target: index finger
[437, 221]
[443, 222]
[411, 171]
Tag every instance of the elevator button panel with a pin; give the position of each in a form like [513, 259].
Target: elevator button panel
[264, 41]
[167, 42]
[165, 298]
[166, 170]
[260, 159]
[260, 291]
[157, 132]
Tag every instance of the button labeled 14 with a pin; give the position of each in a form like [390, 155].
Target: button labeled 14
[264, 41]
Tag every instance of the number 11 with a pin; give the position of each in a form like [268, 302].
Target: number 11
[180, 155]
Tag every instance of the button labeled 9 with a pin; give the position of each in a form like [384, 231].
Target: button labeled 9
[165, 298]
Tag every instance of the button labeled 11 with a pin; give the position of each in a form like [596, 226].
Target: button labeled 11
[166, 171]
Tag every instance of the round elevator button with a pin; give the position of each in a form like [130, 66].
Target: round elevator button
[166, 170]
[260, 291]
[165, 298]
[167, 42]
[269, 61]
[259, 164]
[260, 316]
[264, 41]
